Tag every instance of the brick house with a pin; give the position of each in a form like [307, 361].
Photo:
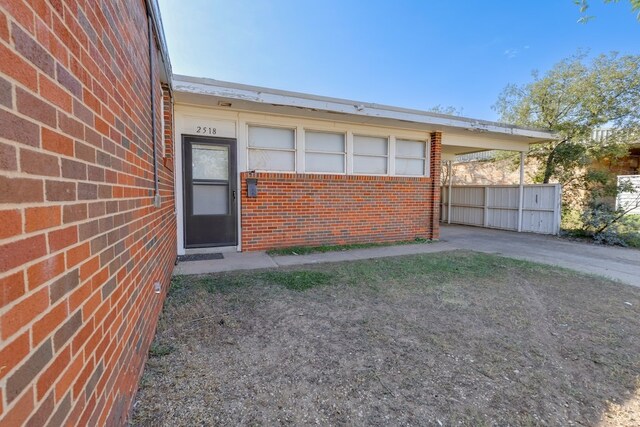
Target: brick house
[92, 220]
[326, 170]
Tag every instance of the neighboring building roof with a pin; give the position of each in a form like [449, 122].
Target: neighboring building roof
[241, 95]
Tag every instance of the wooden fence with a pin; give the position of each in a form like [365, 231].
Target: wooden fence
[500, 206]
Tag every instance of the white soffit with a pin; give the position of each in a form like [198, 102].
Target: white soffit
[479, 133]
[466, 143]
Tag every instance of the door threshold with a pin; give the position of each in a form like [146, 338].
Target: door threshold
[221, 249]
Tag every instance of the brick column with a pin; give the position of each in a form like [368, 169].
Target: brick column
[434, 217]
[167, 132]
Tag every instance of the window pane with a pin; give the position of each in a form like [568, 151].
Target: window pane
[210, 199]
[271, 137]
[409, 166]
[316, 162]
[370, 145]
[407, 148]
[321, 141]
[367, 164]
[210, 161]
[267, 160]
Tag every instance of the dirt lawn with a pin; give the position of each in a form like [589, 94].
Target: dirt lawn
[456, 338]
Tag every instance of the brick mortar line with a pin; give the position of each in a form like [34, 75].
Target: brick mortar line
[21, 174]
[63, 203]
[25, 234]
[39, 73]
[79, 351]
[68, 50]
[63, 251]
[57, 130]
[26, 175]
[105, 390]
[60, 156]
[134, 277]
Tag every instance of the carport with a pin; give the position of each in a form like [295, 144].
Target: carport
[518, 207]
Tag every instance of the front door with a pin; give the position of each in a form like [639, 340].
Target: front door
[209, 191]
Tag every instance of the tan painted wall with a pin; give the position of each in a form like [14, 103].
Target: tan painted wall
[486, 172]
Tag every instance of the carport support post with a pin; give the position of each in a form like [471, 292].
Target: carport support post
[450, 178]
[521, 192]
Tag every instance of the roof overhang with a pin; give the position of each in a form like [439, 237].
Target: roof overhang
[460, 134]
[153, 10]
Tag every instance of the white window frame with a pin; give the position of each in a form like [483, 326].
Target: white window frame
[293, 150]
[428, 165]
[299, 150]
[427, 156]
[387, 156]
[344, 153]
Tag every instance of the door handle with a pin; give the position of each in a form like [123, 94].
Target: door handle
[234, 194]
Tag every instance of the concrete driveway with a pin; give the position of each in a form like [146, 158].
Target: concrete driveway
[616, 263]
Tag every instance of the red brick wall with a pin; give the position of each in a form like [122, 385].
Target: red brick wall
[81, 243]
[310, 209]
[436, 163]
[168, 135]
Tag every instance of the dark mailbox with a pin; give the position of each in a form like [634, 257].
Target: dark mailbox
[252, 187]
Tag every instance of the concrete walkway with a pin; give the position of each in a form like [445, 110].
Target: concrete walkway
[256, 260]
[616, 263]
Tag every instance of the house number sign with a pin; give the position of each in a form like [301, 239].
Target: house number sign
[206, 130]
[204, 126]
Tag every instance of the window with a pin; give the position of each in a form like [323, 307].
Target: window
[370, 154]
[272, 149]
[411, 157]
[324, 152]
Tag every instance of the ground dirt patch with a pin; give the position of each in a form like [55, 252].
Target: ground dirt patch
[455, 338]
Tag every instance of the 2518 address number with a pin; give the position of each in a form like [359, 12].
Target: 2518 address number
[206, 130]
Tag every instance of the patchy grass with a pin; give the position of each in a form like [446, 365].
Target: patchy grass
[297, 280]
[159, 350]
[305, 250]
[456, 338]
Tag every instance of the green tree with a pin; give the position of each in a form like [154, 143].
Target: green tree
[449, 110]
[584, 6]
[577, 96]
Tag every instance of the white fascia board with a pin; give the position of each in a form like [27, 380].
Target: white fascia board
[482, 142]
[233, 91]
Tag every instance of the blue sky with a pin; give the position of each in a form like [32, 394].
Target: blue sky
[414, 54]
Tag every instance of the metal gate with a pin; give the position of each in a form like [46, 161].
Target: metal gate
[499, 206]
